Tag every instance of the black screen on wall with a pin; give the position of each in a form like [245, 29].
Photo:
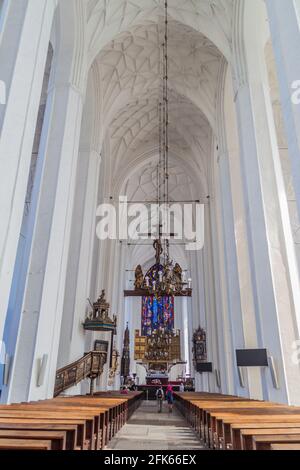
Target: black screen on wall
[204, 367]
[252, 358]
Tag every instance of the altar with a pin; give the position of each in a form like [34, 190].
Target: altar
[157, 379]
[150, 389]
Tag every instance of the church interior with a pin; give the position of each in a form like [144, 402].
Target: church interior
[150, 224]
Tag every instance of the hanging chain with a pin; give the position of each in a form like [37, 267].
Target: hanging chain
[166, 129]
[163, 116]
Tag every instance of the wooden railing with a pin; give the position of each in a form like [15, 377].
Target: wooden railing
[89, 366]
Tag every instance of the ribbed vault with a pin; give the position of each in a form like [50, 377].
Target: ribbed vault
[125, 40]
[129, 71]
[107, 18]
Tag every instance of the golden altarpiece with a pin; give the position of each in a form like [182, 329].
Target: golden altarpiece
[157, 344]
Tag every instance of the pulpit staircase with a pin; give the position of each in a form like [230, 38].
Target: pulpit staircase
[90, 366]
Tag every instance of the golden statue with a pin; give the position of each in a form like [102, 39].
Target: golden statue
[139, 278]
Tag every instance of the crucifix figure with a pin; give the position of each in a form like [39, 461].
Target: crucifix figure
[158, 250]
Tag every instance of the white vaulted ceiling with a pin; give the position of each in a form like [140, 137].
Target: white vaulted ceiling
[142, 186]
[107, 18]
[124, 43]
[130, 65]
[129, 70]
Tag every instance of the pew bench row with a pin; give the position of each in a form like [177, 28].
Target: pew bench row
[65, 423]
[235, 423]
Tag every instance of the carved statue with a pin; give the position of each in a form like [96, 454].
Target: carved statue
[199, 346]
[114, 367]
[102, 297]
[139, 277]
[177, 272]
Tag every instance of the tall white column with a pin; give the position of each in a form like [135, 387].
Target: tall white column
[231, 266]
[222, 322]
[85, 261]
[284, 19]
[206, 259]
[270, 243]
[44, 294]
[23, 52]
[120, 310]
[114, 294]
[51, 306]
[238, 280]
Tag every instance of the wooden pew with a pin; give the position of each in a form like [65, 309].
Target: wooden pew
[110, 414]
[285, 447]
[225, 422]
[24, 444]
[205, 410]
[265, 442]
[78, 422]
[75, 428]
[91, 416]
[249, 435]
[249, 415]
[212, 417]
[57, 438]
[88, 419]
[114, 409]
[236, 430]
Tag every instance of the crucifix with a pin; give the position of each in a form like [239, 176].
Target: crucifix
[158, 250]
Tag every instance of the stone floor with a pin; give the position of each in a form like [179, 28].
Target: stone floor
[149, 430]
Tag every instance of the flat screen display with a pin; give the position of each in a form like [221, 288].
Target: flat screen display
[204, 367]
[252, 358]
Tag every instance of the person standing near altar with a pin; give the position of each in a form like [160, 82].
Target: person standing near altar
[170, 397]
[160, 396]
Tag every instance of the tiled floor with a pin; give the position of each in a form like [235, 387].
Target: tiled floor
[149, 430]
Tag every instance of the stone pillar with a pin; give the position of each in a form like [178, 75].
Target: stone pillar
[270, 242]
[87, 239]
[242, 317]
[44, 296]
[214, 232]
[120, 311]
[231, 268]
[115, 274]
[23, 52]
[284, 20]
[206, 268]
[185, 333]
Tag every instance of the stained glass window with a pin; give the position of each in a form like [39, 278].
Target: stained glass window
[157, 313]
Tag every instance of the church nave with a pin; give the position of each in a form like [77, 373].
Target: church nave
[149, 223]
[149, 430]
